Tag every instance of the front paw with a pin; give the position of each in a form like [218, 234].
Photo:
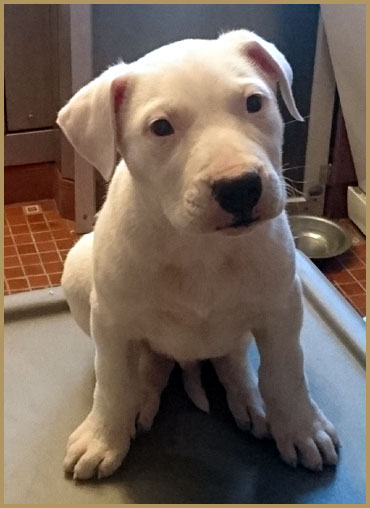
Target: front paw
[95, 448]
[305, 437]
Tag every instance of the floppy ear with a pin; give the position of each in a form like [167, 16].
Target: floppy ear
[89, 119]
[268, 59]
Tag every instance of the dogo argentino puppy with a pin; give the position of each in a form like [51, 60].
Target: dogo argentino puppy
[192, 253]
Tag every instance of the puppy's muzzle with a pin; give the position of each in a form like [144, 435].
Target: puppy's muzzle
[238, 196]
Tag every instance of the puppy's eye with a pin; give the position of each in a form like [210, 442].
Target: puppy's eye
[254, 103]
[162, 127]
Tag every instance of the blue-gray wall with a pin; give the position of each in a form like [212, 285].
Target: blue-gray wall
[130, 31]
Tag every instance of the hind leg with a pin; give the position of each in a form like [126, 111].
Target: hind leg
[239, 379]
[191, 376]
[77, 280]
[154, 371]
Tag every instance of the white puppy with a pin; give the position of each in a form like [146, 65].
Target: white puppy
[192, 252]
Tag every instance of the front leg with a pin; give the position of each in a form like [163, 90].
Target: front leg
[300, 429]
[100, 443]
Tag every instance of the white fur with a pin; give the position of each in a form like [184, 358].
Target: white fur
[164, 277]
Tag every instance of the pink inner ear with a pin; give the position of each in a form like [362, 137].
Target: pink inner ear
[119, 86]
[261, 58]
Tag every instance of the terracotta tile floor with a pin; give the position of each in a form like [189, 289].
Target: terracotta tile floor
[348, 271]
[36, 244]
[348, 274]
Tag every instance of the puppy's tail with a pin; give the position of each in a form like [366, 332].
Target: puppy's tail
[193, 385]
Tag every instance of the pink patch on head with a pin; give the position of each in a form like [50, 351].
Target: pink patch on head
[119, 86]
[262, 59]
[118, 99]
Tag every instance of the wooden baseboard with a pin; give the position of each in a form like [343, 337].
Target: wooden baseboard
[65, 196]
[33, 182]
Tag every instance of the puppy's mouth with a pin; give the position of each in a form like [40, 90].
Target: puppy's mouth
[243, 222]
[238, 225]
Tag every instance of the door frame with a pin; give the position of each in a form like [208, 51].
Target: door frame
[81, 72]
[319, 131]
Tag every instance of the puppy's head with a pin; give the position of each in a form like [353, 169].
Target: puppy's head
[198, 126]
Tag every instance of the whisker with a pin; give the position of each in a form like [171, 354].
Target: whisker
[284, 169]
[291, 190]
[296, 181]
[292, 121]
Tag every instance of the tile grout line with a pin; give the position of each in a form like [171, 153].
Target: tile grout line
[346, 284]
[36, 253]
[56, 248]
[349, 299]
[19, 258]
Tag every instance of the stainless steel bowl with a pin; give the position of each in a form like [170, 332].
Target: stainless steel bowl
[317, 237]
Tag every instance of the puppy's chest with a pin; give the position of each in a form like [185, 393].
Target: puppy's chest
[201, 286]
[197, 309]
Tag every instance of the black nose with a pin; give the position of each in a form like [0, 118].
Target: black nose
[239, 195]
